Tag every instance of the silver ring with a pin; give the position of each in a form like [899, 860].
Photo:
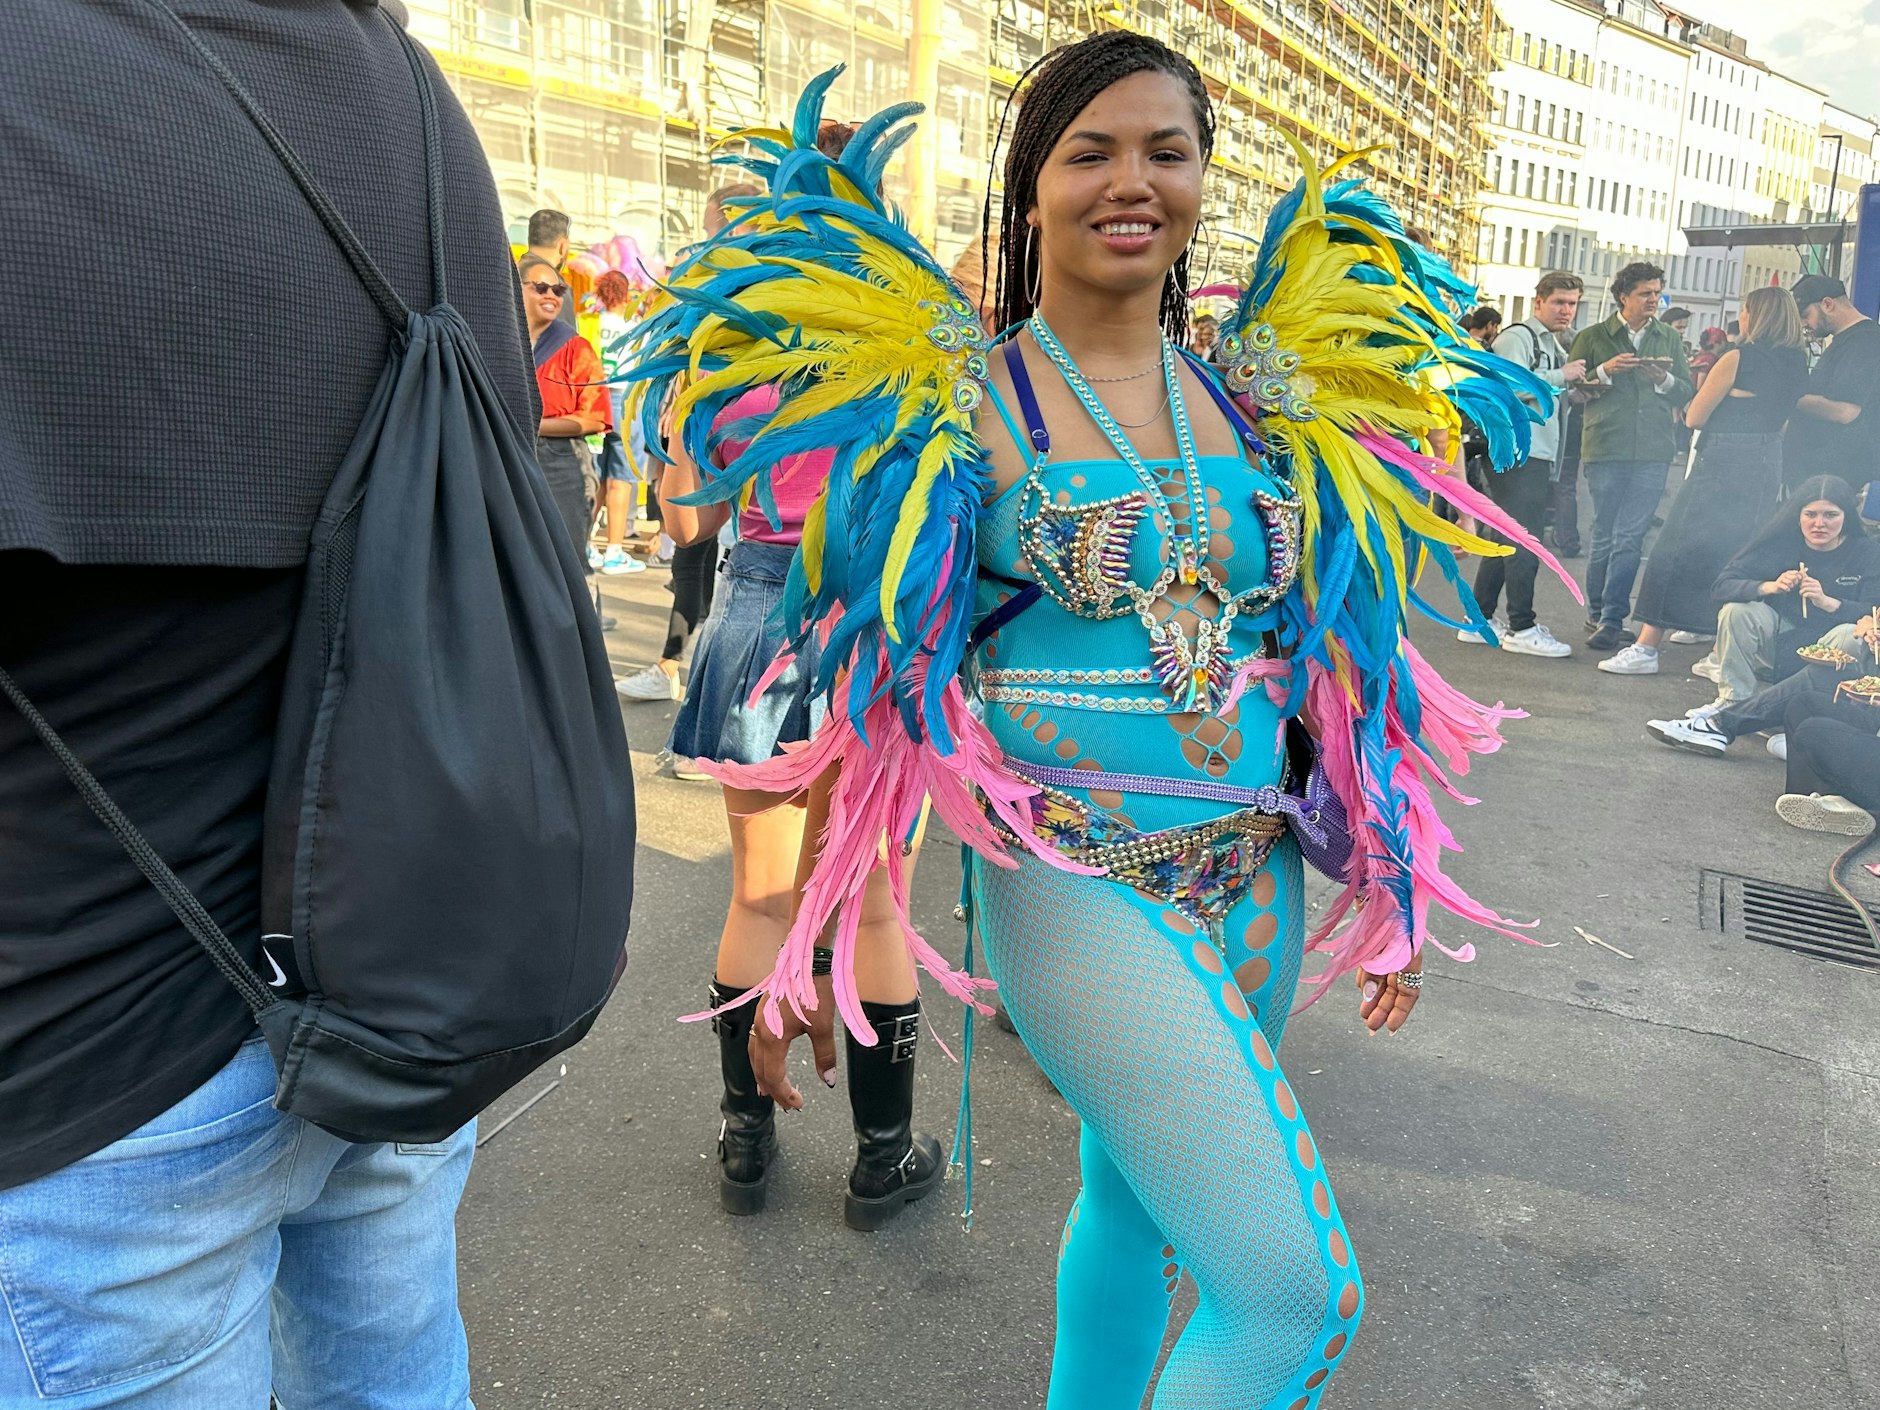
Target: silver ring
[1410, 979]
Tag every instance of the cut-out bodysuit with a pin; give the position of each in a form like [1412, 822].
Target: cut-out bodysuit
[1155, 998]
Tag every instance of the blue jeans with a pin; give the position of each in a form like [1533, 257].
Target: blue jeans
[224, 1250]
[1625, 496]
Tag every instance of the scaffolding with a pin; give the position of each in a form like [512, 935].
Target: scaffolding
[609, 109]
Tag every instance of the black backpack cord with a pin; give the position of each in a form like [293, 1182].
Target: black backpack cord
[197, 921]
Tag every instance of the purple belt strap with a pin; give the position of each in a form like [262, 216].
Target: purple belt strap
[1266, 799]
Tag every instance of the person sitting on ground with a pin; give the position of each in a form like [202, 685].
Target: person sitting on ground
[1827, 739]
[1805, 579]
[1741, 409]
[1712, 728]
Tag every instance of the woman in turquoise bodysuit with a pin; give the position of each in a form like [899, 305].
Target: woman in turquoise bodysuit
[1131, 557]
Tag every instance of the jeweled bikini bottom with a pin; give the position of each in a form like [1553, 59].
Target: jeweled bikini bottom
[1200, 870]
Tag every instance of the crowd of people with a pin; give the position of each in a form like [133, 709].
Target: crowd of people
[1132, 533]
[1764, 550]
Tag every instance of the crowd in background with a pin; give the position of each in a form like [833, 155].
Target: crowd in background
[1764, 552]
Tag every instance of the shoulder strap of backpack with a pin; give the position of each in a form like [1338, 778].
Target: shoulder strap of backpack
[195, 919]
[376, 284]
[188, 909]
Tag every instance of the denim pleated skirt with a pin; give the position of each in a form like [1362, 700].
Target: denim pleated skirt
[719, 720]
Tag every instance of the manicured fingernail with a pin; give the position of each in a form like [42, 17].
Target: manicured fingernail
[1370, 989]
[829, 1077]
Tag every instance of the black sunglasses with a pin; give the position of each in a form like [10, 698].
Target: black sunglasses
[558, 290]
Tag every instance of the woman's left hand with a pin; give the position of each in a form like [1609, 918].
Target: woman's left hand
[770, 1052]
[1386, 1000]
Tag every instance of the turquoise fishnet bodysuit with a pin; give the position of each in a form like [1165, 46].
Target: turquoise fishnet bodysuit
[1156, 1007]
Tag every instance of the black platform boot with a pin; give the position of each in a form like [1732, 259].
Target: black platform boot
[747, 1141]
[893, 1163]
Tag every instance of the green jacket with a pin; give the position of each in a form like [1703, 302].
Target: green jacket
[1632, 419]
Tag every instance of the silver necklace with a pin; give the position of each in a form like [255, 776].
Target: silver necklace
[1154, 416]
[1132, 377]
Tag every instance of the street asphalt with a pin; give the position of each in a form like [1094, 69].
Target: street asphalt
[1579, 1180]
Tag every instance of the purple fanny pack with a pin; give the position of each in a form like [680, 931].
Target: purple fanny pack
[1316, 816]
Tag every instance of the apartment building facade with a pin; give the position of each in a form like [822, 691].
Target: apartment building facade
[1685, 128]
[608, 108]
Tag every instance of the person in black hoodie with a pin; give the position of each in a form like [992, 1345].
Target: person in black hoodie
[1807, 577]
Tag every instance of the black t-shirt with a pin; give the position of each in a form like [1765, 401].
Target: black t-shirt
[165, 683]
[1849, 371]
[192, 416]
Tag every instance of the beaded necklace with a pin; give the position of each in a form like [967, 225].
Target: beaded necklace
[1193, 673]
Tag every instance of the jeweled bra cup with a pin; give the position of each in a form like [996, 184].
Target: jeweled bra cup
[1200, 870]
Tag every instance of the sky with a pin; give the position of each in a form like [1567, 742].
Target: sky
[1827, 44]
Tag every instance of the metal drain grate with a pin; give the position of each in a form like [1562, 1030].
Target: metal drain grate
[1792, 917]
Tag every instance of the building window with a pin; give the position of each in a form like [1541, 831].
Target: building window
[1552, 112]
[1529, 190]
[1560, 186]
[1579, 119]
[1507, 245]
[1520, 110]
[1573, 189]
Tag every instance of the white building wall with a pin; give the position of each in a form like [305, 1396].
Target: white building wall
[1719, 168]
[1626, 200]
[1541, 98]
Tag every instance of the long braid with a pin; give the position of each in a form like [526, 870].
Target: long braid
[1065, 82]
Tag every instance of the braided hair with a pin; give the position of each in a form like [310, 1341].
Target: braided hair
[1063, 84]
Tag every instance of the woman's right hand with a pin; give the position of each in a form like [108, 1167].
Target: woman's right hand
[1788, 582]
[770, 1052]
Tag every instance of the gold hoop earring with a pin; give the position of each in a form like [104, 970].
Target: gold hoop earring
[1034, 284]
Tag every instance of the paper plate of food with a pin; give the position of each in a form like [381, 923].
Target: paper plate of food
[1866, 689]
[1821, 654]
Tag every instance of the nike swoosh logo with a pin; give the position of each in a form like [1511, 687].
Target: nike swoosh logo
[280, 975]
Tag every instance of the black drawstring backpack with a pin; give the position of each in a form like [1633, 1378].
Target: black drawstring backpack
[448, 855]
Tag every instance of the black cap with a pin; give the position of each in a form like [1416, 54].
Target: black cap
[1813, 288]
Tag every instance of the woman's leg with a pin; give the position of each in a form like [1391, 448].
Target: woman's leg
[766, 836]
[894, 1163]
[1827, 754]
[1745, 632]
[1148, 1031]
[694, 569]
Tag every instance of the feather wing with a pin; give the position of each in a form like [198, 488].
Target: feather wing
[1345, 347]
[817, 289]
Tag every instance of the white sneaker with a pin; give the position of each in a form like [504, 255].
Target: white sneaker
[1779, 746]
[1634, 660]
[1709, 669]
[1689, 638]
[1699, 736]
[1704, 712]
[616, 561]
[650, 684]
[1475, 638]
[1534, 641]
[1824, 812]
